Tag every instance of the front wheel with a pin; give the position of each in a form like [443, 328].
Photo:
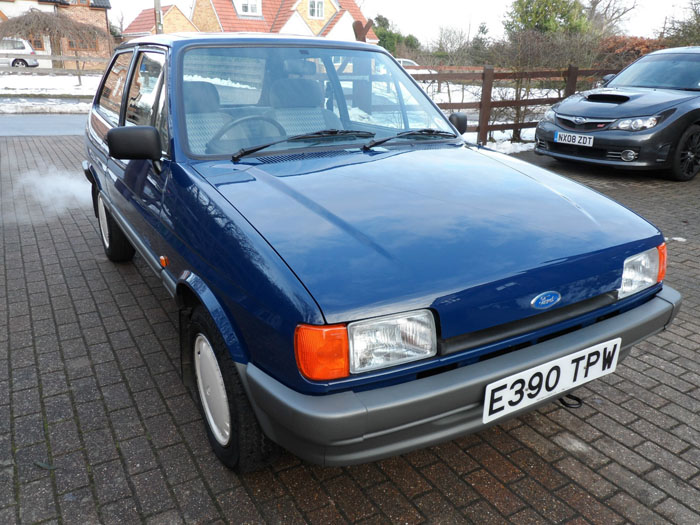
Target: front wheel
[686, 159]
[232, 428]
[19, 63]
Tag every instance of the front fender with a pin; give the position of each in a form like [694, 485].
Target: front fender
[190, 288]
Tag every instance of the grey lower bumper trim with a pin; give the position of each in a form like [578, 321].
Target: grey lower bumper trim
[354, 427]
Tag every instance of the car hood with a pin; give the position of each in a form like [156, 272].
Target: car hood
[472, 234]
[622, 102]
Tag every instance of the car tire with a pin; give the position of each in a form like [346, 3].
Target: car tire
[686, 159]
[117, 246]
[231, 426]
[18, 62]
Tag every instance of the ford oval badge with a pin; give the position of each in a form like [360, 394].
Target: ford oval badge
[545, 300]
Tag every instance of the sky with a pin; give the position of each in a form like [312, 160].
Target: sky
[411, 16]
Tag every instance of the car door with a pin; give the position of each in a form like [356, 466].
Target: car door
[5, 47]
[138, 183]
[105, 115]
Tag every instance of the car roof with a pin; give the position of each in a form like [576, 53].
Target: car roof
[181, 39]
[678, 50]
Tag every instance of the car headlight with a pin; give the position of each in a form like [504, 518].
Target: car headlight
[636, 123]
[642, 271]
[334, 351]
[549, 116]
[391, 340]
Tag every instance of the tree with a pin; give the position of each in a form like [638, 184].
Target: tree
[685, 31]
[391, 39]
[545, 16]
[605, 16]
[55, 26]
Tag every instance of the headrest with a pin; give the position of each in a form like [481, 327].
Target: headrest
[299, 67]
[296, 93]
[200, 97]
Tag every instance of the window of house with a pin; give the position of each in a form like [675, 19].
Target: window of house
[315, 8]
[248, 7]
[37, 43]
[110, 100]
[82, 45]
[143, 91]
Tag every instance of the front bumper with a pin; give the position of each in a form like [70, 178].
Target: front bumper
[355, 427]
[654, 148]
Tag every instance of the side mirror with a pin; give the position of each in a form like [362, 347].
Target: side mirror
[606, 79]
[134, 142]
[459, 121]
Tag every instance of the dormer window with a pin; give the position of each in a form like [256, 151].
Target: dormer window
[248, 7]
[316, 9]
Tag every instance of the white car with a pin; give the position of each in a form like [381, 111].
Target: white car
[22, 50]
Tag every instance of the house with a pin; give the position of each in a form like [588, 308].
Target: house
[12, 8]
[174, 21]
[329, 18]
[92, 12]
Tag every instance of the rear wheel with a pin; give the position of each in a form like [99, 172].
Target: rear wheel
[232, 428]
[18, 62]
[117, 246]
[686, 159]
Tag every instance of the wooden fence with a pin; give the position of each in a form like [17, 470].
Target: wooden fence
[487, 75]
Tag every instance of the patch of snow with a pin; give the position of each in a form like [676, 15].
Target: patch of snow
[43, 106]
[679, 239]
[18, 84]
[502, 141]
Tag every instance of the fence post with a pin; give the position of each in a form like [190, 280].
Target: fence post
[571, 79]
[485, 107]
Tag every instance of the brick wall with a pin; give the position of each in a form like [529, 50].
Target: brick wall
[94, 17]
[176, 22]
[204, 17]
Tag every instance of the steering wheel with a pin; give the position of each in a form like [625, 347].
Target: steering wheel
[243, 120]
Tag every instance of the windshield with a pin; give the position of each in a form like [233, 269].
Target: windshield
[669, 71]
[241, 97]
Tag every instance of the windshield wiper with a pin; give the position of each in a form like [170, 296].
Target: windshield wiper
[428, 132]
[324, 133]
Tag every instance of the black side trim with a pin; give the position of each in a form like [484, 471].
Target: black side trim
[523, 326]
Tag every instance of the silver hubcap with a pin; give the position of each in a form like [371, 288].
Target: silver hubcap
[212, 391]
[102, 215]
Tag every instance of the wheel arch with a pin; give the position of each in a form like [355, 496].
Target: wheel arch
[192, 291]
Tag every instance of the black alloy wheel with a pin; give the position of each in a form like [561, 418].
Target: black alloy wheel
[686, 160]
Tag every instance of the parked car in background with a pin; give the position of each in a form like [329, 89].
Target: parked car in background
[407, 62]
[645, 117]
[24, 54]
[354, 280]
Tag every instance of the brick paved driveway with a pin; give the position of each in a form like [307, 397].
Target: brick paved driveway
[95, 425]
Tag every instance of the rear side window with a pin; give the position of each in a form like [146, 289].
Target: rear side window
[143, 90]
[110, 99]
[11, 44]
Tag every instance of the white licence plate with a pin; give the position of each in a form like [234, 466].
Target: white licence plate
[573, 138]
[550, 379]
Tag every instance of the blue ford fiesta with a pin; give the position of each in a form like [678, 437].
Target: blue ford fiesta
[353, 280]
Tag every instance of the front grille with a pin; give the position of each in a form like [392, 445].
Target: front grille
[533, 323]
[589, 125]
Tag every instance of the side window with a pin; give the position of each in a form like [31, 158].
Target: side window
[143, 90]
[110, 99]
[161, 122]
